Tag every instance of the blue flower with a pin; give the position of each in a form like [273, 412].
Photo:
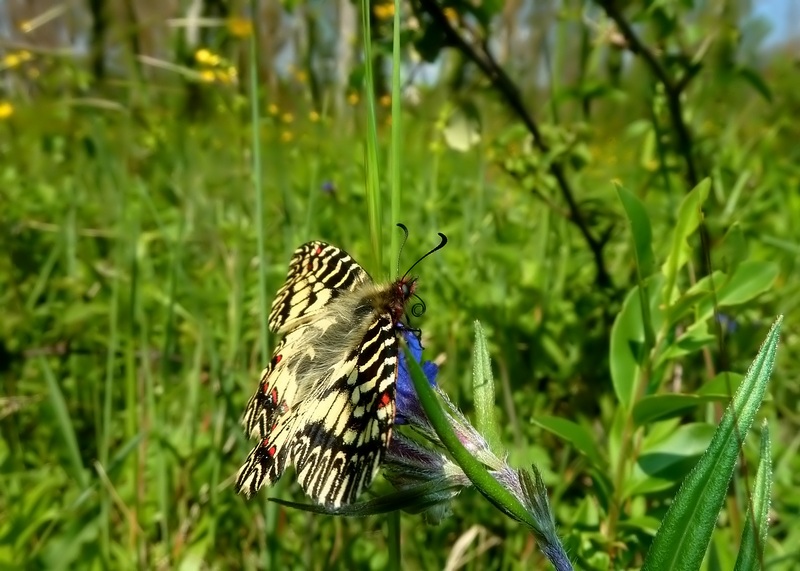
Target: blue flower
[727, 322]
[328, 187]
[407, 402]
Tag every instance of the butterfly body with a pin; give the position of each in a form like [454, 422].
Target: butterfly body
[326, 401]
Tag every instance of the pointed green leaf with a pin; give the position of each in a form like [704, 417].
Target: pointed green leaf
[641, 231]
[684, 535]
[483, 390]
[689, 217]
[577, 435]
[754, 535]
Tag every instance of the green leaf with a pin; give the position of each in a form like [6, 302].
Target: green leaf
[684, 535]
[666, 458]
[689, 217]
[757, 82]
[749, 280]
[628, 350]
[724, 385]
[754, 534]
[695, 338]
[577, 435]
[661, 407]
[641, 231]
[483, 390]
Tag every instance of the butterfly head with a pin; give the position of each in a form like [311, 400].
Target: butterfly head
[404, 288]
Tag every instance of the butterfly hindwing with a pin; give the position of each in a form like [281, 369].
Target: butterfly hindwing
[318, 273]
[336, 437]
[347, 425]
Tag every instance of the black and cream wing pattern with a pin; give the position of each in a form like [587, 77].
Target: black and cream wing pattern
[326, 401]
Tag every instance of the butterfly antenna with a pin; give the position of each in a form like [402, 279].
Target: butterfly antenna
[405, 239]
[418, 309]
[442, 243]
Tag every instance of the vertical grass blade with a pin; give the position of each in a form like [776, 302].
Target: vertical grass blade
[372, 179]
[64, 422]
[397, 137]
[685, 532]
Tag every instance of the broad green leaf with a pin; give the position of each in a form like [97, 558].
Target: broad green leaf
[660, 407]
[577, 435]
[754, 534]
[725, 384]
[628, 349]
[483, 390]
[683, 537]
[665, 460]
[750, 279]
[689, 217]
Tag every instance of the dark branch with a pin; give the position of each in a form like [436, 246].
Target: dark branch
[508, 89]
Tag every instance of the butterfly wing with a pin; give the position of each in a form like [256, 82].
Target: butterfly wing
[337, 437]
[318, 274]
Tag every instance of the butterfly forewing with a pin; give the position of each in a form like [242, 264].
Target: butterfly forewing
[325, 403]
[318, 273]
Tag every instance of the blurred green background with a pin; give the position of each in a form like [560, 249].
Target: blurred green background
[129, 316]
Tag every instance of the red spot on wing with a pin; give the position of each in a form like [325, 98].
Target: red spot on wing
[264, 387]
[318, 250]
[273, 396]
[278, 358]
[385, 400]
[271, 451]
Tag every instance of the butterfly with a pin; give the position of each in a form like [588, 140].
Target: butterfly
[326, 401]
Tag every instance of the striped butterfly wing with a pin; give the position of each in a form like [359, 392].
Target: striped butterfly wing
[335, 438]
[318, 274]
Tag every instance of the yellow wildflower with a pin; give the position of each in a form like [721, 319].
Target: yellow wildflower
[223, 76]
[240, 27]
[207, 76]
[272, 109]
[383, 11]
[301, 76]
[25, 55]
[202, 55]
[286, 136]
[352, 99]
[385, 100]
[6, 110]
[11, 60]
[287, 118]
[451, 14]
[313, 116]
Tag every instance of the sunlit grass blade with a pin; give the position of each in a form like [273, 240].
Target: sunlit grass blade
[685, 531]
[371, 166]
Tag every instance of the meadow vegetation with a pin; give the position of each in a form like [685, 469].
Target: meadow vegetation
[130, 304]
